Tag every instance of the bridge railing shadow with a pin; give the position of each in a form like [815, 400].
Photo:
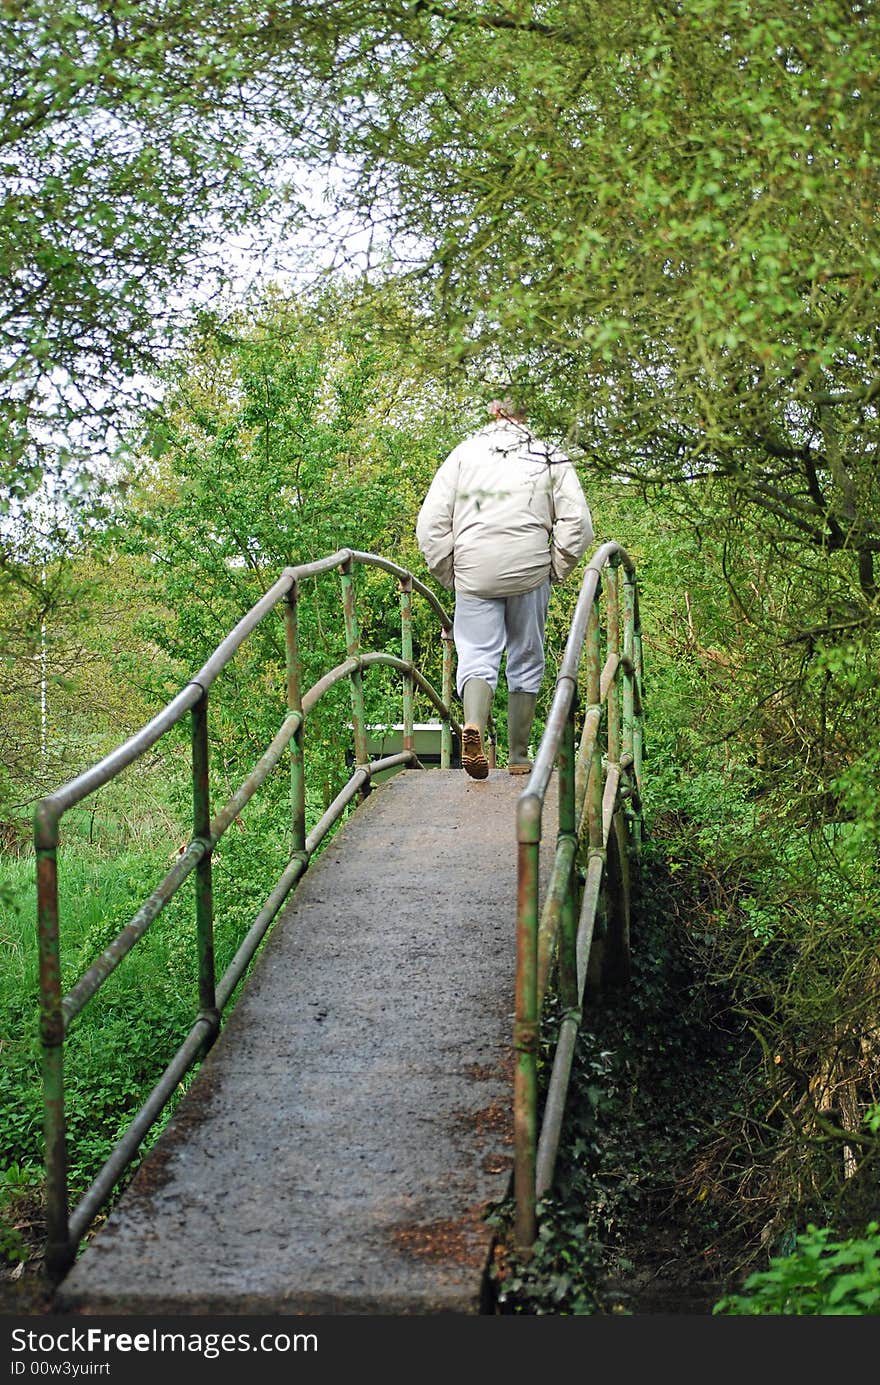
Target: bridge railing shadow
[583, 928]
[66, 1228]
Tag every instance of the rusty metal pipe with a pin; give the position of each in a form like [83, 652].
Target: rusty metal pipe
[557, 890]
[567, 830]
[446, 695]
[554, 1104]
[586, 751]
[107, 768]
[294, 710]
[609, 799]
[587, 921]
[612, 621]
[548, 750]
[609, 671]
[406, 651]
[586, 774]
[58, 1247]
[201, 832]
[525, 1040]
[353, 648]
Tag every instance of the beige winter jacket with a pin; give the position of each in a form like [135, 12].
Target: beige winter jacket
[503, 513]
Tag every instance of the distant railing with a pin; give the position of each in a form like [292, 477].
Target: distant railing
[599, 828]
[65, 1229]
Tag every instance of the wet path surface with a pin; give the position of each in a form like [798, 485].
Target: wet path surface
[353, 1123]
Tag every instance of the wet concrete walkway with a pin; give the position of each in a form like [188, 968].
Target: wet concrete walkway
[353, 1123]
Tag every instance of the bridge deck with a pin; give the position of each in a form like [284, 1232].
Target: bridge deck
[353, 1121]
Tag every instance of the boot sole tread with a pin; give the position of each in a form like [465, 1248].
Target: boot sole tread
[473, 757]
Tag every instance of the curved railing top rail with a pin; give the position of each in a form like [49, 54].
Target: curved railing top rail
[51, 808]
[592, 791]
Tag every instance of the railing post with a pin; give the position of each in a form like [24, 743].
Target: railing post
[638, 730]
[525, 1029]
[567, 968]
[612, 617]
[446, 695]
[628, 730]
[59, 1252]
[353, 649]
[204, 883]
[294, 704]
[632, 698]
[406, 650]
[594, 782]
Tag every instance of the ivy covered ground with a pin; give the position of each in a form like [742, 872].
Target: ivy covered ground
[631, 1227]
[659, 1205]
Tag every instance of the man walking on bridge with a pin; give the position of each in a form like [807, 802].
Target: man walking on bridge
[504, 518]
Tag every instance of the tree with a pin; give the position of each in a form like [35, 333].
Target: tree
[662, 217]
[130, 133]
[287, 433]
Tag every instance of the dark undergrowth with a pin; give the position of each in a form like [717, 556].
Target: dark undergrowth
[630, 1227]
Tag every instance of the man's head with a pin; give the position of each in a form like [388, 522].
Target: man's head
[507, 408]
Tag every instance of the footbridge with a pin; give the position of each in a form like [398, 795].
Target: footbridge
[373, 1091]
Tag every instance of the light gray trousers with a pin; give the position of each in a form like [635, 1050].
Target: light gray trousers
[483, 627]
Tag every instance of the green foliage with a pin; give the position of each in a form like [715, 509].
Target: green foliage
[120, 1044]
[655, 1067]
[839, 1278]
[284, 437]
[659, 223]
[16, 1183]
[124, 131]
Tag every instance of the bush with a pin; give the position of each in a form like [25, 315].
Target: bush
[820, 1277]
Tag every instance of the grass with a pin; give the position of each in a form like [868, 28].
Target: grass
[119, 1045]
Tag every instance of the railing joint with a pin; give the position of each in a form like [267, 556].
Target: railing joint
[46, 819]
[525, 1036]
[210, 1016]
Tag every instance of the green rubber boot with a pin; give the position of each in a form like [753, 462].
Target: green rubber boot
[520, 715]
[476, 698]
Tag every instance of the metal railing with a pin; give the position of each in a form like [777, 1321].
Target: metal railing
[599, 801]
[65, 1229]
